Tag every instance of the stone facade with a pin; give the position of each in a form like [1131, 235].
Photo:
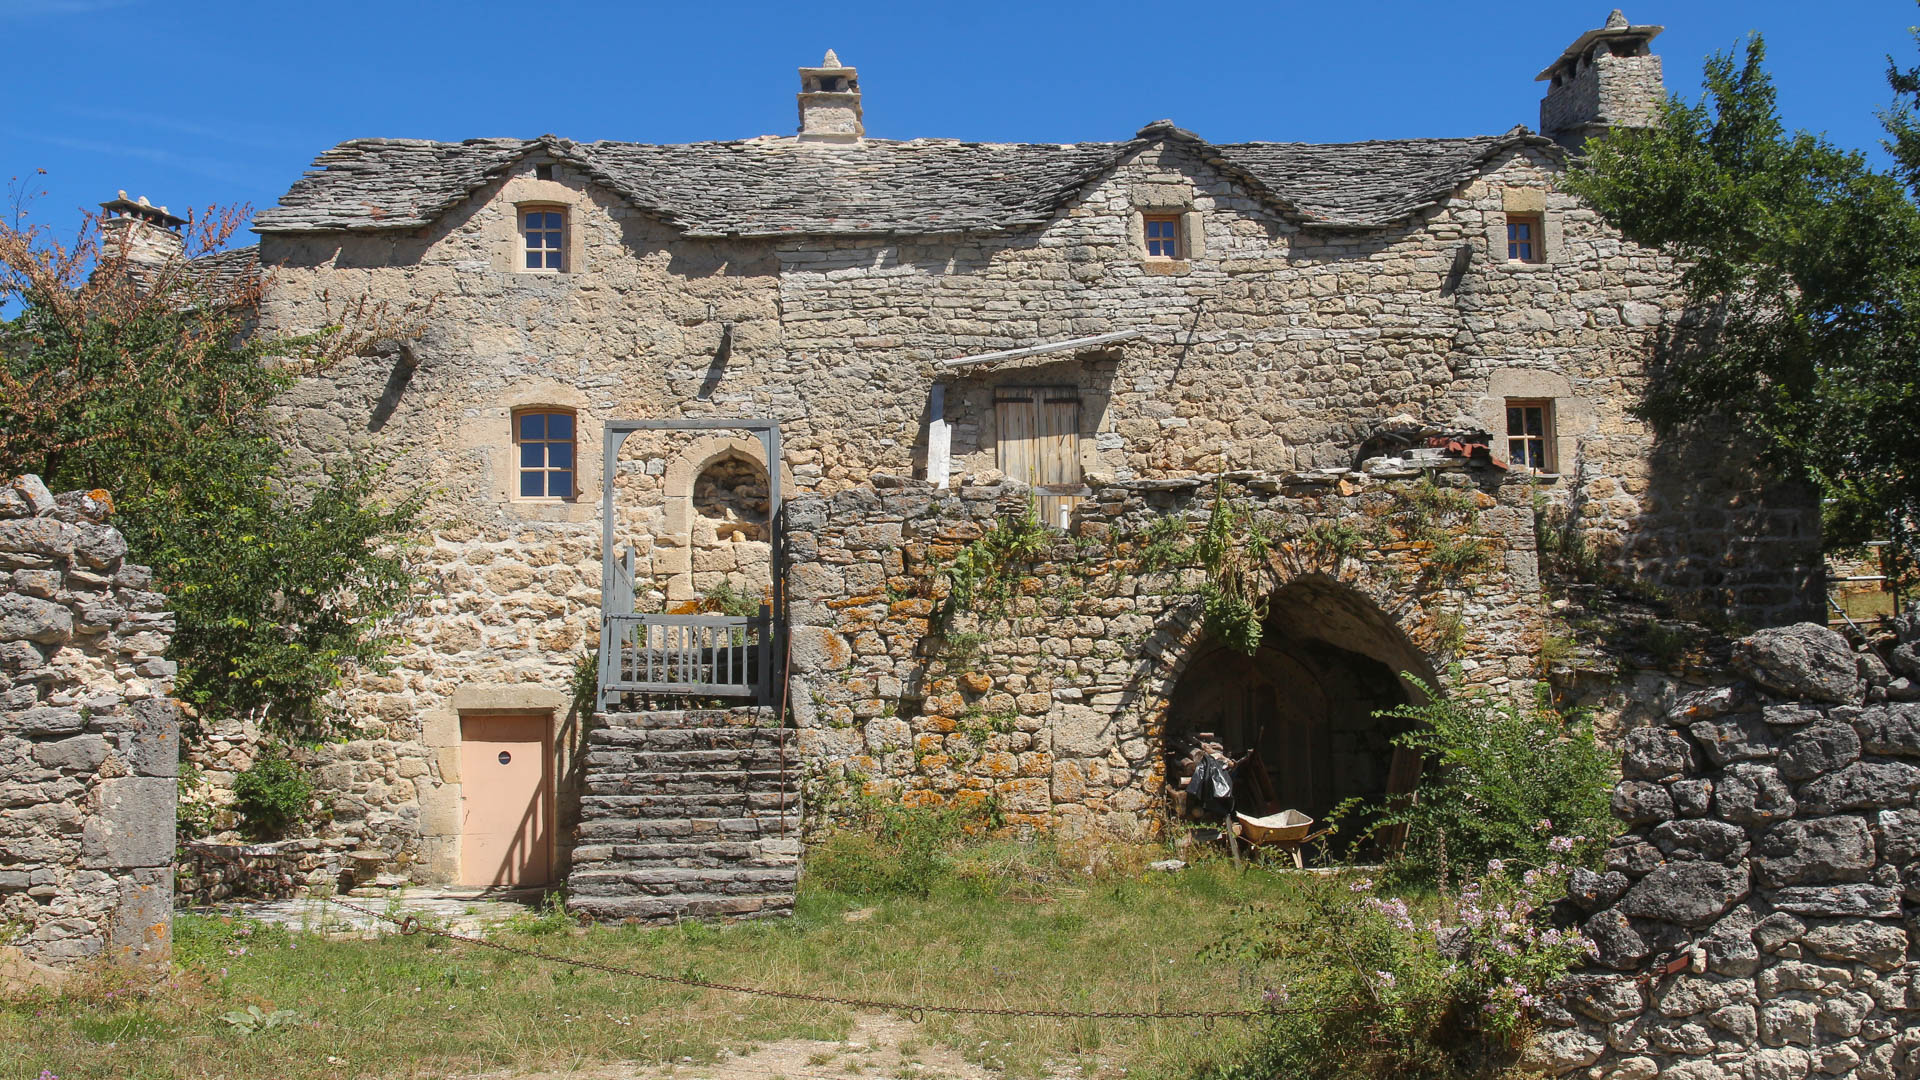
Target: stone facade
[1759, 919]
[89, 739]
[1322, 299]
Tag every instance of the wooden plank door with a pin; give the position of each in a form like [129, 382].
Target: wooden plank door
[1039, 442]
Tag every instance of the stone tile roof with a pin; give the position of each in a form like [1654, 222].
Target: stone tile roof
[227, 275]
[771, 187]
[1368, 184]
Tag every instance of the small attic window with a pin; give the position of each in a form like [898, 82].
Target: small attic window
[1163, 236]
[543, 234]
[1525, 242]
[543, 172]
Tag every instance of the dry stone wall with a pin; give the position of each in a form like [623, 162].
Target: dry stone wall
[1759, 919]
[1055, 707]
[89, 739]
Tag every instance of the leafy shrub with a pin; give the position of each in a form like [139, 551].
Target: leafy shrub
[1335, 540]
[1502, 782]
[1453, 558]
[586, 682]
[983, 574]
[1359, 989]
[271, 796]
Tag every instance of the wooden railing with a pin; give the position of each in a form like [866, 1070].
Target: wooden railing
[714, 655]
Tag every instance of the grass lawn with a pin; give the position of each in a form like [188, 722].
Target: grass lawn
[1016, 930]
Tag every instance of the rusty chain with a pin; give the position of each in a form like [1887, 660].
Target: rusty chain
[411, 925]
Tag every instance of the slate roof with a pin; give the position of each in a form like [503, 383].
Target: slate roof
[772, 187]
[226, 275]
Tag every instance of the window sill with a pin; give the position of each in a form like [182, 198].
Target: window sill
[1165, 266]
[1545, 478]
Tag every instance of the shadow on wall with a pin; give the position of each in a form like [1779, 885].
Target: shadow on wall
[1720, 527]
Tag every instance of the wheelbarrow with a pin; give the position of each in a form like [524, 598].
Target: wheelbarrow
[1287, 830]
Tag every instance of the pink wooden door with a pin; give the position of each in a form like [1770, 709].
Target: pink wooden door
[506, 830]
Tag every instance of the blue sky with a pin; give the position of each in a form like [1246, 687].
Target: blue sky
[199, 103]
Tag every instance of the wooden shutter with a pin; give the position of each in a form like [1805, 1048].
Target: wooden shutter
[1039, 442]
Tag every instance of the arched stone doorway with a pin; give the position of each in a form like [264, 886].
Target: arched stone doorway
[1305, 704]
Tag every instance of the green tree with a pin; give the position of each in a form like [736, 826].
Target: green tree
[143, 380]
[1802, 270]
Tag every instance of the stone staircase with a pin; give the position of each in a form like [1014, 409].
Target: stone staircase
[687, 814]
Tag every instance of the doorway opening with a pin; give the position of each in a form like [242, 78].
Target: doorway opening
[1300, 717]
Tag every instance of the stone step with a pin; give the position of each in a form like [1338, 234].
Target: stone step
[659, 829]
[703, 807]
[717, 761]
[652, 880]
[771, 852]
[744, 719]
[689, 738]
[676, 783]
[687, 905]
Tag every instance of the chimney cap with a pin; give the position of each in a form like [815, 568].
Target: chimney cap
[1616, 29]
[829, 65]
[124, 207]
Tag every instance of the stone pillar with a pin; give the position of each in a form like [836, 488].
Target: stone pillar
[89, 740]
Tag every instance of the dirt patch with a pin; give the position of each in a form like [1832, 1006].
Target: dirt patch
[879, 1048]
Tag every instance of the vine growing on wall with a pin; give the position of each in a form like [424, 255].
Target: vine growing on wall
[982, 576]
[1232, 549]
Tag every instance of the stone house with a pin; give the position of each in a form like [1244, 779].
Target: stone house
[1357, 360]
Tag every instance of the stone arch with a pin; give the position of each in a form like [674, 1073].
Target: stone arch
[1331, 656]
[717, 548]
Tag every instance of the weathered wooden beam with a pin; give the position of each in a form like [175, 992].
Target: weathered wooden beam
[1041, 350]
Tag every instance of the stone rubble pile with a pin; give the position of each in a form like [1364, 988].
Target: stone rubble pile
[89, 739]
[1758, 919]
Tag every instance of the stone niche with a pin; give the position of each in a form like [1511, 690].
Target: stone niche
[89, 741]
[717, 531]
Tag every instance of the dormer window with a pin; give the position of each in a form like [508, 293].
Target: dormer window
[1163, 236]
[543, 234]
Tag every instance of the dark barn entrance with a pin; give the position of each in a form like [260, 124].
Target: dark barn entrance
[1304, 704]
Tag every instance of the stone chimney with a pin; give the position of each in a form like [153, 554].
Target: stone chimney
[1607, 78]
[830, 103]
[140, 231]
